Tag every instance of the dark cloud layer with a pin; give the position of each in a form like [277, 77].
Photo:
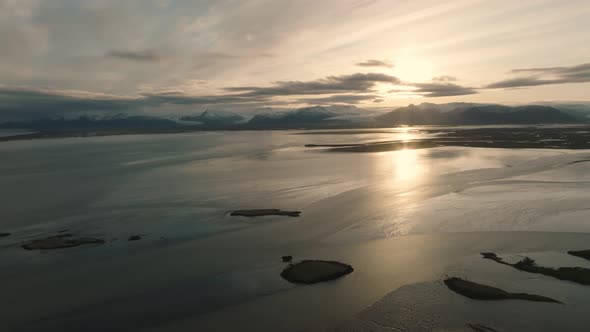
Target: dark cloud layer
[444, 78]
[338, 99]
[34, 103]
[20, 103]
[17, 98]
[347, 89]
[144, 55]
[375, 63]
[522, 82]
[545, 76]
[442, 89]
[534, 70]
[355, 83]
[182, 99]
[17, 103]
[355, 88]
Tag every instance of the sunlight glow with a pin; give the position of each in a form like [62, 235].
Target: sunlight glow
[406, 162]
[406, 134]
[405, 165]
[412, 68]
[402, 167]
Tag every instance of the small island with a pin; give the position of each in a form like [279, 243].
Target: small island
[580, 253]
[59, 242]
[477, 291]
[265, 212]
[578, 275]
[287, 259]
[134, 238]
[313, 271]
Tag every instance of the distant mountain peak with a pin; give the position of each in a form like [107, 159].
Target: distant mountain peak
[314, 111]
[468, 114]
[215, 117]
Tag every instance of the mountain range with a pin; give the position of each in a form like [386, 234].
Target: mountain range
[476, 115]
[335, 116]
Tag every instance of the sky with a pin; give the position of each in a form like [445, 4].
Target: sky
[181, 55]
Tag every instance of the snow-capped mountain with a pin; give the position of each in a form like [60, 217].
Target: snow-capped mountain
[298, 117]
[215, 117]
[309, 117]
[345, 110]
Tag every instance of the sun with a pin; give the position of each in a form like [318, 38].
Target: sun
[410, 68]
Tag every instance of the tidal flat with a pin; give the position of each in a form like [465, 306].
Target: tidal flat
[403, 219]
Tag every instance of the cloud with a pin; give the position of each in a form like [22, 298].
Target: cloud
[521, 82]
[375, 63]
[545, 76]
[444, 78]
[26, 103]
[564, 71]
[337, 99]
[123, 46]
[355, 83]
[23, 103]
[225, 55]
[436, 89]
[17, 103]
[143, 56]
[534, 70]
[154, 99]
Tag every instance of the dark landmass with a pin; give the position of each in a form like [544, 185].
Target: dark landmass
[480, 328]
[578, 275]
[59, 242]
[287, 259]
[580, 253]
[477, 291]
[332, 145]
[86, 123]
[49, 134]
[313, 271]
[134, 238]
[383, 147]
[265, 212]
[346, 132]
[549, 137]
[5, 234]
[544, 137]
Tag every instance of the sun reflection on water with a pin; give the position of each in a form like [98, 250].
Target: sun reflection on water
[406, 165]
[403, 175]
[406, 134]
